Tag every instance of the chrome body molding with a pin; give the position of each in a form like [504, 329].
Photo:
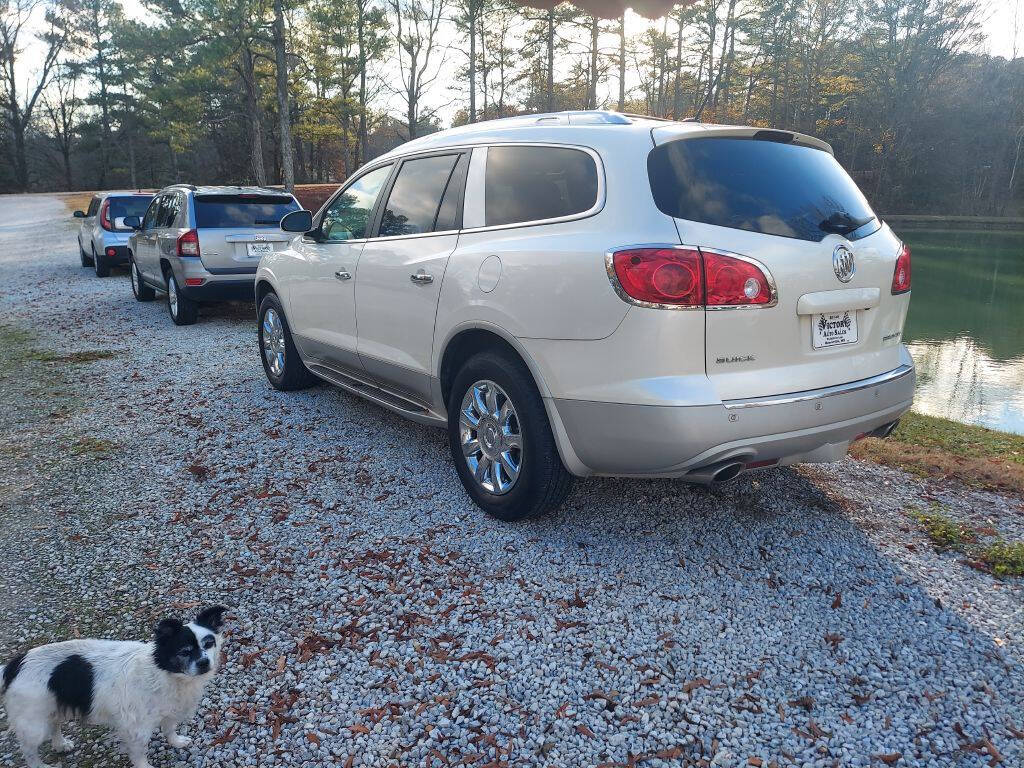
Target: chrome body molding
[815, 394]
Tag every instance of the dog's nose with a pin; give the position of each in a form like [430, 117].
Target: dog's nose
[203, 665]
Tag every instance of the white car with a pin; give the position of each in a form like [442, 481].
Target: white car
[589, 293]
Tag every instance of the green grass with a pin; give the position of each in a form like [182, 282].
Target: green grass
[21, 346]
[934, 447]
[1000, 558]
[95, 446]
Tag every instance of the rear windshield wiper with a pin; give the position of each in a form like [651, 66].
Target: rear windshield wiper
[842, 223]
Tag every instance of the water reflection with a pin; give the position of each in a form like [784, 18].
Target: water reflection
[966, 326]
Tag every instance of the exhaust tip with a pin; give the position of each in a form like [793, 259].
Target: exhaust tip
[728, 472]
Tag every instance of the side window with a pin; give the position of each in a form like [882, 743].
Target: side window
[149, 220]
[416, 196]
[169, 212]
[94, 206]
[348, 215]
[535, 183]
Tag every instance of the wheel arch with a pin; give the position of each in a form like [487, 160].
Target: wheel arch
[465, 341]
[263, 288]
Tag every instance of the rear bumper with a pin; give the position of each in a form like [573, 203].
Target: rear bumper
[676, 441]
[221, 290]
[114, 255]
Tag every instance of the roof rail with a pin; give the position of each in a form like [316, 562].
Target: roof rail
[647, 117]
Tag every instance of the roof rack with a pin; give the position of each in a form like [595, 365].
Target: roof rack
[647, 117]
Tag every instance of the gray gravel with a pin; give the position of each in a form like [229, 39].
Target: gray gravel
[796, 617]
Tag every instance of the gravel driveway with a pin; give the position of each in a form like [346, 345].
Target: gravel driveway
[795, 617]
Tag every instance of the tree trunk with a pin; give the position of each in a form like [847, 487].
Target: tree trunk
[592, 85]
[622, 63]
[259, 171]
[677, 90]
[283, 110]
[551, 60]
[472, 61]
[363, 138]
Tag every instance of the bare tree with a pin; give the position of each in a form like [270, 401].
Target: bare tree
[283, 108]
[15, 16]
[61, 105]
[416, 24]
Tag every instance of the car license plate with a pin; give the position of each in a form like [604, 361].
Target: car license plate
[833, 329]
[258, 250]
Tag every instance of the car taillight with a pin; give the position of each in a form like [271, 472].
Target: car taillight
[188, 244]
[690, 277]
[901, 275]
[661, 275]
[734, 282]
[105, 216]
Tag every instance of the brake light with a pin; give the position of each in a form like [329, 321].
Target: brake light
[661, 275]
[689, 277]
[188, 244]
[105, 216]
[734, 282]
[901, 275]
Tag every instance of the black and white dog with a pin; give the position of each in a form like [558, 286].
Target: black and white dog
[132, 687]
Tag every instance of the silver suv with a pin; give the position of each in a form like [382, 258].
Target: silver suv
[204, 244]
[103, 235]
[590, 293]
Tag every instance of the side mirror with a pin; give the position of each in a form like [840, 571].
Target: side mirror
[79, 214]
[132, 222]
[297, 221]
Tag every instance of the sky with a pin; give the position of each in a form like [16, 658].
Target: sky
[1002, 26]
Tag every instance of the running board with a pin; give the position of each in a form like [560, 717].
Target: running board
[377, 393]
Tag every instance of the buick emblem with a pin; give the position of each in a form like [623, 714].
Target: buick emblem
[842, 263]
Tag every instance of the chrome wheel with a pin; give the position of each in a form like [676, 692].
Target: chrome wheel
[491, 437]
[273, 342]
[172, 295]
[135, 279]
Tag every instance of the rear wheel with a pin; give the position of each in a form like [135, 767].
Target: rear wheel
[501, 440]
[142, 291]
[100, 263]
[184, 311]
[281, 363]
[86, 259]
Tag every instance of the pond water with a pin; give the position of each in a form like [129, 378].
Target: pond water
[965, 328]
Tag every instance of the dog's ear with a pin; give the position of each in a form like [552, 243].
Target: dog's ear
[167, 628]
[212, 618]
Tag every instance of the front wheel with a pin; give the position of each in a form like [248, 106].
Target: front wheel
[501, 440]
[184, 311]
[281, 363]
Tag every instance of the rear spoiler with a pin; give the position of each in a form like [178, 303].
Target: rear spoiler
[663, 134]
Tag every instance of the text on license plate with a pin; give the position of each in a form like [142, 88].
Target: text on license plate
[833, 328]
[259, 249]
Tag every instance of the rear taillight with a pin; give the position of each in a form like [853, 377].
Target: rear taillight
[188, 244]
[690, 277]
[734, 282]
[901, 275]
[105, 216]
[671, 276]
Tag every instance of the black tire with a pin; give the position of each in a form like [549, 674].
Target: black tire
[86, 259]
[294, 374]
[142, 291]
[100, 263]
[543, 482]
[183, 310]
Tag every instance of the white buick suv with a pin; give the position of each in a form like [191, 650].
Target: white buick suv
[590, 293]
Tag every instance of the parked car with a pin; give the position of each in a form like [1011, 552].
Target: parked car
[204, 243]
[102, 235]
[590, 293]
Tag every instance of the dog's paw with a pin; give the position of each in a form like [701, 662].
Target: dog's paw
[178, 742]
[62, 743]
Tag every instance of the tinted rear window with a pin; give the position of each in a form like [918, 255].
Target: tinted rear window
[760, 186]
[128, 206]
[220, 211]
[416, 196]
[535, 183]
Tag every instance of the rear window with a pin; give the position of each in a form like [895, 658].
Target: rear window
[222, 211]
[760, 186]
[128, 206]
[536, 183]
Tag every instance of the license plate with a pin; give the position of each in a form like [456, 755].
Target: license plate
[833, 329]
[259, 249]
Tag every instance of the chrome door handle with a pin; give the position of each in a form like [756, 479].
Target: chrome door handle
[421, 278]
[341, 274]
